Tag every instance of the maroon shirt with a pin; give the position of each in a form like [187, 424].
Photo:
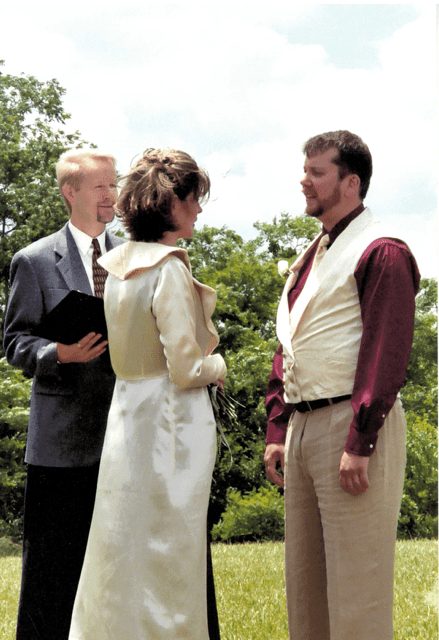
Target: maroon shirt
[387, 281]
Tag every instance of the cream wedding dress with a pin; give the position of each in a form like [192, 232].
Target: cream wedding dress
[144, 574]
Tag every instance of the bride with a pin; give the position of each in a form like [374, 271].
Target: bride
[144, 573]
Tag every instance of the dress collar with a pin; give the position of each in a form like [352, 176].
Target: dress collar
[131, 258]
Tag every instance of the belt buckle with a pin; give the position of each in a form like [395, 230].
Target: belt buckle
[308, 405]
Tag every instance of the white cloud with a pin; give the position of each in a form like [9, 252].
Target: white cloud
[221, 82]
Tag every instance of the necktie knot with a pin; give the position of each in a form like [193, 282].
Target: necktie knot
[321, 250]
[96, 246]
[324, 241]
[99, 273]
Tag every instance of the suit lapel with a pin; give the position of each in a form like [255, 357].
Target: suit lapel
[324, 270]
[350, 234]
[70, 264]
[283, 311]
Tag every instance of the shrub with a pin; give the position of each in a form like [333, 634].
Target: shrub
[14, 414]
[419, 509]
[259, 514]
[256, 515]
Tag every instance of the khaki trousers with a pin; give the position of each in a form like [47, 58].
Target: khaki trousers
[339, 549]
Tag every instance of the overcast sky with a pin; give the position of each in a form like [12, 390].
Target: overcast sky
[240, 86]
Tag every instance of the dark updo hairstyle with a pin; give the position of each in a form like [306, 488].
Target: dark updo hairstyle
[145, 202]
[353, 155]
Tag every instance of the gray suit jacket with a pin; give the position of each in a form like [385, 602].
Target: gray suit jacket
[69, 402]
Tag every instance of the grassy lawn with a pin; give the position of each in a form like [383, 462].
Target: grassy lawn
[250, 591]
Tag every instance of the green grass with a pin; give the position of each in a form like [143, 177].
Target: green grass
[251, 600]
[416, 590]
[250, 590]
[10, 572]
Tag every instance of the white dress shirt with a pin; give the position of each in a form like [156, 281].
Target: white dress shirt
[85, 248]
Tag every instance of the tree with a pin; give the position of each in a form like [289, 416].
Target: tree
[420, 394]
[248, 286]
[33, 138]
[15, 393]
[287, 237]
[419, 509]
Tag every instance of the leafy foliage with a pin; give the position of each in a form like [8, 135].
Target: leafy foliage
[420, 394]
[245, 277]
[33, 138]
[258, 515]
[419, 509]
[287, 237]
[248, 287]
[14, 413]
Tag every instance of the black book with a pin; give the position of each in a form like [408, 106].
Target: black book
[73, 318]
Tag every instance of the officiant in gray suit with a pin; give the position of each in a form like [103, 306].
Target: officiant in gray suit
[71, 394]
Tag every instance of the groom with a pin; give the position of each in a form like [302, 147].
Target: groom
[345, 323]
[71, 395]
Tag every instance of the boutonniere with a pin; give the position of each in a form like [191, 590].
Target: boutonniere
[283, 268]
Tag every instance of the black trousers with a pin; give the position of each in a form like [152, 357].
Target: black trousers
[58, 507]
[212, 611]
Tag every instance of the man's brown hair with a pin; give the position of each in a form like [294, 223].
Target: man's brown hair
[353, 156]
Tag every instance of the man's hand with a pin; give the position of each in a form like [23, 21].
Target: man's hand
[274, 453]
[353, 473]
[83, 351]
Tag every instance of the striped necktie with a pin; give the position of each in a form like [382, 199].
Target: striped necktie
[99, 273]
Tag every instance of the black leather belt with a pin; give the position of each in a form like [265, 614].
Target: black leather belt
[312, 405]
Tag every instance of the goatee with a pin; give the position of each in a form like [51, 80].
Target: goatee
[316, 214]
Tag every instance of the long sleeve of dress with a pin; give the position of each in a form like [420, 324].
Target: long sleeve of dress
[175, 306]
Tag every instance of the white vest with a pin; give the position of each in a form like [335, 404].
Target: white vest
[320, 348]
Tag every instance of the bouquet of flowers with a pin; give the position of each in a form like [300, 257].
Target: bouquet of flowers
[224, 410]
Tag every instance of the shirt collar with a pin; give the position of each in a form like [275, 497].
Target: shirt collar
[343, 223]
[83, 241]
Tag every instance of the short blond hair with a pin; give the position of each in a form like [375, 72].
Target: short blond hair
[72, 166]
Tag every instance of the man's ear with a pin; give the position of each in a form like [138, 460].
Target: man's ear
[68, 192]
[353, 184]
